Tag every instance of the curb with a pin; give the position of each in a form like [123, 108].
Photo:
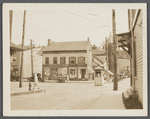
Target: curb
[26, 93]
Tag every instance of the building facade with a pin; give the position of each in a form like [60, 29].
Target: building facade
[132, 43]
[136, 24]
[60, 59]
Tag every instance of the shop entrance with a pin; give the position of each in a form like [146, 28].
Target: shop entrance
[83, 72]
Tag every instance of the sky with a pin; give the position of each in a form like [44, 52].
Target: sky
[67, 22]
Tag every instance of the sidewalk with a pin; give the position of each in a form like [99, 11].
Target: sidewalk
[111, 99]
[24, 90]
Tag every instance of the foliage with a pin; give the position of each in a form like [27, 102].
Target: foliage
[131, 99]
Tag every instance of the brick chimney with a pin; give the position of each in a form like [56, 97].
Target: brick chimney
[49, 42]
[88, 39]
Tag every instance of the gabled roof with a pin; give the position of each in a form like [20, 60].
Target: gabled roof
[65, 46]
[13, 46]
[40, 51]
[98, 52]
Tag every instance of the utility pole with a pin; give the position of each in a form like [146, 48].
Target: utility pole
[31, 56]
[107, 59]
[115, 53]
[21, 69]
[10, 21]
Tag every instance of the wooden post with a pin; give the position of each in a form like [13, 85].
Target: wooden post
[31, 57]
[21, 69]
[115, 53]
[10, 22]
[107, 77]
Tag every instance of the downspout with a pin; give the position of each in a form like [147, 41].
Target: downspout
[132, 44]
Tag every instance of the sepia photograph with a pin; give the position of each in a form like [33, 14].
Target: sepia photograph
[75, 59]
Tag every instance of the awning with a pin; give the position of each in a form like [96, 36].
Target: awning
[124, 41]
[98, 68]
[90, 70]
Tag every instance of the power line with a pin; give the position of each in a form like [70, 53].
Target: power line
[84, 18]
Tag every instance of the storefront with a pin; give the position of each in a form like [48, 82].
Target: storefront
[53, 73]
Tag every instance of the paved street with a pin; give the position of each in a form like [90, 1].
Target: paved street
[71, 96]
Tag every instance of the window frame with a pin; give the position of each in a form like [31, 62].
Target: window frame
[81, 62]
[70, 60]
[64, 60]
[54, 58]
[46, 59]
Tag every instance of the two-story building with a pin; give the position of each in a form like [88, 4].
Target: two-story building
[73, 58]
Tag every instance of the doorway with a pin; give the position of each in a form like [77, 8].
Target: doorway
[83, 72]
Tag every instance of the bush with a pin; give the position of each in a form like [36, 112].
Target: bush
[131, 100]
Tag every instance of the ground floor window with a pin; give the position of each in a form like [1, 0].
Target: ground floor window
[62, 72]
[46, 73]
[72, 72]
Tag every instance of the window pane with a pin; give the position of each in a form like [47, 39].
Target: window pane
[81, 60]
[55, 60]
[72, 72]
[47, 60]
[72, 60]
[62, 60]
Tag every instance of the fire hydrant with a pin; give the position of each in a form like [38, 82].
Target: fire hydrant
[29, 85]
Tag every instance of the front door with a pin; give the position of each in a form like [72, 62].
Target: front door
[83, 73]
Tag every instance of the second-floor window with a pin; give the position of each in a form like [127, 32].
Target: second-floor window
[14, 58]
[81, 60]
[55, 60]
[46, 60]
[62, 60]
[72, 60]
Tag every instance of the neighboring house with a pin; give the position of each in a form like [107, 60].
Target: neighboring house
[37, 62]
[15, 60]
[73, 58]
[132, 43]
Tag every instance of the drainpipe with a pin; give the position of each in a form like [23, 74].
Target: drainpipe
[132, 39]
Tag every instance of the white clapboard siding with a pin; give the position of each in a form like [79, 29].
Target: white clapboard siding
[138, 33]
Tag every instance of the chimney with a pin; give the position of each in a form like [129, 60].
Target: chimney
[88, 39]
[49, 42]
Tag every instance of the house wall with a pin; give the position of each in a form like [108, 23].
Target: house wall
[138, 35]
[37, 63]
[67, 55]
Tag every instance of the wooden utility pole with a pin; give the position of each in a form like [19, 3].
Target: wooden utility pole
[31, 56]
[10, 22]
[23, 33]
[107, 77]
[115, 53]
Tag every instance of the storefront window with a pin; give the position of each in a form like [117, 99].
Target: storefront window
[55, 60]
[81, 60]
[62, 71]
[62, 60]
[72, 72]
[72, 60]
